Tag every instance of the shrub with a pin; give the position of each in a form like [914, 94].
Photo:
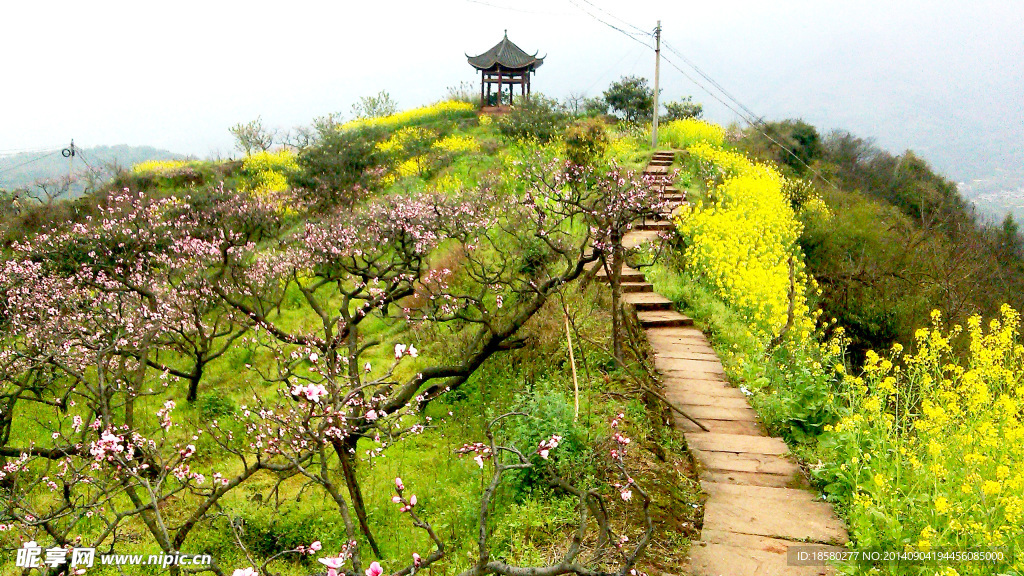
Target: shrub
[336, 170]
[375, 106]
[586, 142]
[682, 110]
[539, 118]
[549, 413]
[268, 531]
[215, 406]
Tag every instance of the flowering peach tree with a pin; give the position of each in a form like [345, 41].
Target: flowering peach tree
[101, 320]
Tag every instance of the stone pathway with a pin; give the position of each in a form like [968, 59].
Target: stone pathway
[759, 503]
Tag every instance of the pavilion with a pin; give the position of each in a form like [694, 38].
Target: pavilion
[504, 65]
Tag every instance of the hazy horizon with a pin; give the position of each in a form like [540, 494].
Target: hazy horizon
[942, 78]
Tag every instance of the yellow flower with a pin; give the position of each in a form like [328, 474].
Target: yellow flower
[941, 505]
[989, 487]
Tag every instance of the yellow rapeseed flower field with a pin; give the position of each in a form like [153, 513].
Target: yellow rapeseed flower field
[446, 109]
[742, 242]
[947, 435]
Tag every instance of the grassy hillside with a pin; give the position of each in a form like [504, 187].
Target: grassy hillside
[379, 212]
[251, 358]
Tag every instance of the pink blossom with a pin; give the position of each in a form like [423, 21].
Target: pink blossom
[416, 560]
[400, 350]
[374, 569]
[398, 484]
[626, 494]
[546, 446]
[333, 564]
[371, 415]
[315, 546]
[250, 571]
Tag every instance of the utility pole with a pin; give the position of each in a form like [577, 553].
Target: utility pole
[657, 74]
[69, 153]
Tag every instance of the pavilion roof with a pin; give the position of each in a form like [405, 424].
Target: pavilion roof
[507, 55]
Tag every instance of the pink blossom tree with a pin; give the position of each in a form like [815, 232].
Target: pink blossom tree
[98, 317]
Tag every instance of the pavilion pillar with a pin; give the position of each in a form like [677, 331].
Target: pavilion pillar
[483, 81]
[499, 86]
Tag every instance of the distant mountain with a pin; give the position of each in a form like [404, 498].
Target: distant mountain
[27, 169]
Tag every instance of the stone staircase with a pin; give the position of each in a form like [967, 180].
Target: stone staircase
[758, 501]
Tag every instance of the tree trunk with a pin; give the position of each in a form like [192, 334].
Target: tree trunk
[615, 277]
[193, 382]
[348, 467]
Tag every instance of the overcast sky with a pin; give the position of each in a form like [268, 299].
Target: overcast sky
[944, 78]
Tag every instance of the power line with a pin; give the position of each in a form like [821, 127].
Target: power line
[596, 7]
[14, 151]
[713, 82]
[32, 161]
[747, 115]
[753, 120]
[625, 55]
[610, 25]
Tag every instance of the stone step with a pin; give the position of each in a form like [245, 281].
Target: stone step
[737, 443]
[722, 553]
[643, 301]
[702, 413]
[638, 237]
[720, 426]
[670, 364]
[628, 287]
[685, 368]
[784, 513]
[698, 398]
[718, 388]
[687, 351]
[627, 275]
[656, 170]
[724, 462]
[663, 319]
[755, 479]
[654, 225]
[660, 162]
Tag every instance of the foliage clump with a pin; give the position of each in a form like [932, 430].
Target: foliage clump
[540, 119]
[586, 142]
[632, 98]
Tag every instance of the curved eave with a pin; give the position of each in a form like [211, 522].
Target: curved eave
[532, 64]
